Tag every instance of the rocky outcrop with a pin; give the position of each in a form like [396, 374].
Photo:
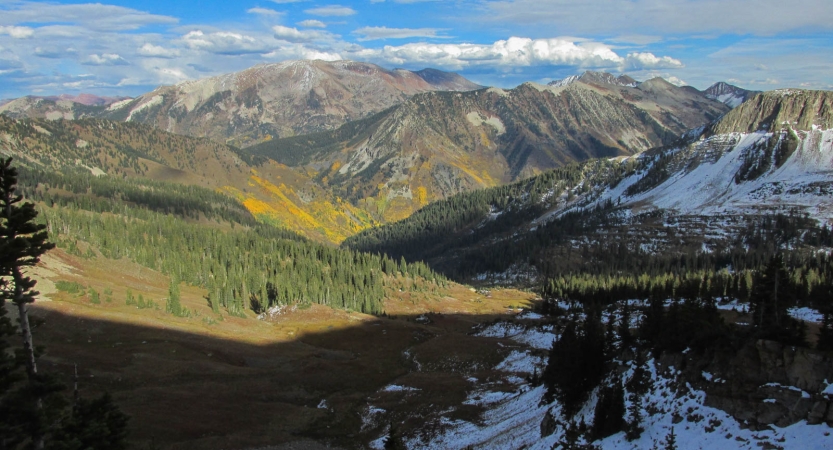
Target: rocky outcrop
[765, 383]
[795, 109]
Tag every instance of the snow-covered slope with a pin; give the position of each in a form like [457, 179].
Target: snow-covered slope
[785, 163]
[591, 77]
[712, 176]
[522, 418]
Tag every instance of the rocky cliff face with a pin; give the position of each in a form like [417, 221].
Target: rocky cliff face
[765, 383]
[795, 109]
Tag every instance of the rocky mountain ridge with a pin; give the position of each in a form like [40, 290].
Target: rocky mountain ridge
[441, 143]
[260, 103]
[697, 194]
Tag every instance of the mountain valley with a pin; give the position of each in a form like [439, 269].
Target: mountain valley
[334, 255]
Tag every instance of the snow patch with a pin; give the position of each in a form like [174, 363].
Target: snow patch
[806, 314]
[155, 100]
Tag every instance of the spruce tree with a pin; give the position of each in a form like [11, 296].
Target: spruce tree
[772, 296]
[670, 441]
[31, 408]
[609, 414]
[22, 242]
[174, 305]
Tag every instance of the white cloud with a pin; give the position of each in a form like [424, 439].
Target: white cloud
[331, 10]
[17, 32]
[225, 43]
[517, 52]
[372, 33]
[641, 61]
[263, 12]
[312, 23]
[156, 51]
[281, 2]
[9, 64]
[105, 59]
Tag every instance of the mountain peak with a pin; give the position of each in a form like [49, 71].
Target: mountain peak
[729, 94]
[591, 77]
[449, 80]
[797, 109]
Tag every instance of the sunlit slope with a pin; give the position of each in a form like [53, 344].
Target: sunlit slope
[272, 192]
[439, 144]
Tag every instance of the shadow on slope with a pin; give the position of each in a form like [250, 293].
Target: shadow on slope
[294, 380]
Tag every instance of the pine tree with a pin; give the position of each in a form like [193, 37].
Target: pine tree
[34, 410]
[174, 305]
[22, 242]
[96, 424]
[772, 296]
[670, 441]
[609, 414]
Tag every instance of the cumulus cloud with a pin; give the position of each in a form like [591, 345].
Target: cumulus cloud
[518, 52]
[331, 10]
[640, 61]
[17, 32]
[312, 23]
[105, 59]
[372, 33]
[156, 51]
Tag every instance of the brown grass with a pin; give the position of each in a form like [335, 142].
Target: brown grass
[216, 381]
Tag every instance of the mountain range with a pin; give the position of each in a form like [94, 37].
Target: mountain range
[437, 144]
[260, 103]
[771, 155]
[405, 138]
[646, 221]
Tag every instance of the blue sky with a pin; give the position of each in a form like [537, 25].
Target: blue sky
[128, 47]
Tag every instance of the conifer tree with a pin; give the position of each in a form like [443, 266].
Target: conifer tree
[22, 242]
[609, 414]
[772, 296]
[670, 441]
[35, 410]
[174, 305]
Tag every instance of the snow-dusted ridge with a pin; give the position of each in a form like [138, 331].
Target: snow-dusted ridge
[707, 180]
